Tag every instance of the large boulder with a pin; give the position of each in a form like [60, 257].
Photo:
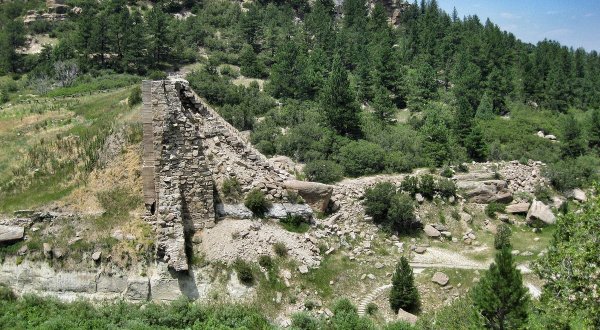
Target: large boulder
[281, 211]
[518, 208]
[317, 195]
[11, 233]
[540, 212]
[430, 231]
[484, 192]
[577, 194]
[237, 211]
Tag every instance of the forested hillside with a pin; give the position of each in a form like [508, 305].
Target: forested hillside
[484, 136]
[337, 86]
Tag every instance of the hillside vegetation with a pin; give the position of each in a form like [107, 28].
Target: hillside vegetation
[346, 95]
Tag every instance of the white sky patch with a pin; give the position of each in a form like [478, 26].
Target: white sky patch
[589, 15]
[509, 15]
[559, 33]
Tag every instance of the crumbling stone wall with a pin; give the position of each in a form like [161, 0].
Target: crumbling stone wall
[178, 186]
[188, 152]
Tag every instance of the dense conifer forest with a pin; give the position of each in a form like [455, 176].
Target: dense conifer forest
[345, 92]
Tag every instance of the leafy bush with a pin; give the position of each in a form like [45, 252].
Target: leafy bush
[280, 249]
[135, 97]
[361, 158]
[303, 321]
[157, 75]
[229, 71]
[410, 185]
[377, 201]
[325, 171]
[389, 208]
[372, 308]
[244, 271]
[502, 237]
[396, 162]
[231, 188]
[265, 261]
[427, 186]
[494, 207]
[257, 202]
[447, 172]
[446, 187]
[6, 294]
[572, 173]
[295, 224]
[401, 216]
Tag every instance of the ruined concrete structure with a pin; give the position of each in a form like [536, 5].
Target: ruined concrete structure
[188, 151]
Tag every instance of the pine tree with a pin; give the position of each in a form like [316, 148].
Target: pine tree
[594, 132]
[404, 293]
[383, 105]
[337, 101]
[572, 143]
[463, 119]
[485, 110]
[500, 295]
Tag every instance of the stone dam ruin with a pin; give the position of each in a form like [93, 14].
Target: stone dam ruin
[189, 151]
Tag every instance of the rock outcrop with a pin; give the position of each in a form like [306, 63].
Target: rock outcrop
[540, 212]
[11, 233]
[316, 194]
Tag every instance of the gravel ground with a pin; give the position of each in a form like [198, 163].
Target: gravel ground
[248, 239]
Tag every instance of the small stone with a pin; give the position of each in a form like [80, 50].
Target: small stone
[363, 276]
[515, 252]
[97, 255]
[47, 248]
[23, 250]
[420, 249]
[278, 297]
[371, 276]
[419, 198]
[303, 269]
[378, 265]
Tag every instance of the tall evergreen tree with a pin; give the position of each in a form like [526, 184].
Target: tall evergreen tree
[594, 132]
[572, 142]
[404, 293]
[500, 295]
[337, 101]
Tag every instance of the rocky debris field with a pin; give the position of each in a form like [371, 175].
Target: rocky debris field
[249, 239]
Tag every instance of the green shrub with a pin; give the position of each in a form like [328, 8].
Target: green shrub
[309, 305]
[325, 171]
[464, 168]
[257, 202]
[427, 186]
[573, 173]
[543, 193]
[447, 172]
[135, 97]
[502, 237]
[377, 201]
[157, 75]
[494, 207]
[372, 308]
[446, 187]
[401, 216]
[396, 162]
[343, 306]
[232, 188]
[295, 224]
[6, 294]
[361, 158]
[303, 321]
[410, 185]
[229, 71]
[244, 271]
[265, 261]
[280, 249]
